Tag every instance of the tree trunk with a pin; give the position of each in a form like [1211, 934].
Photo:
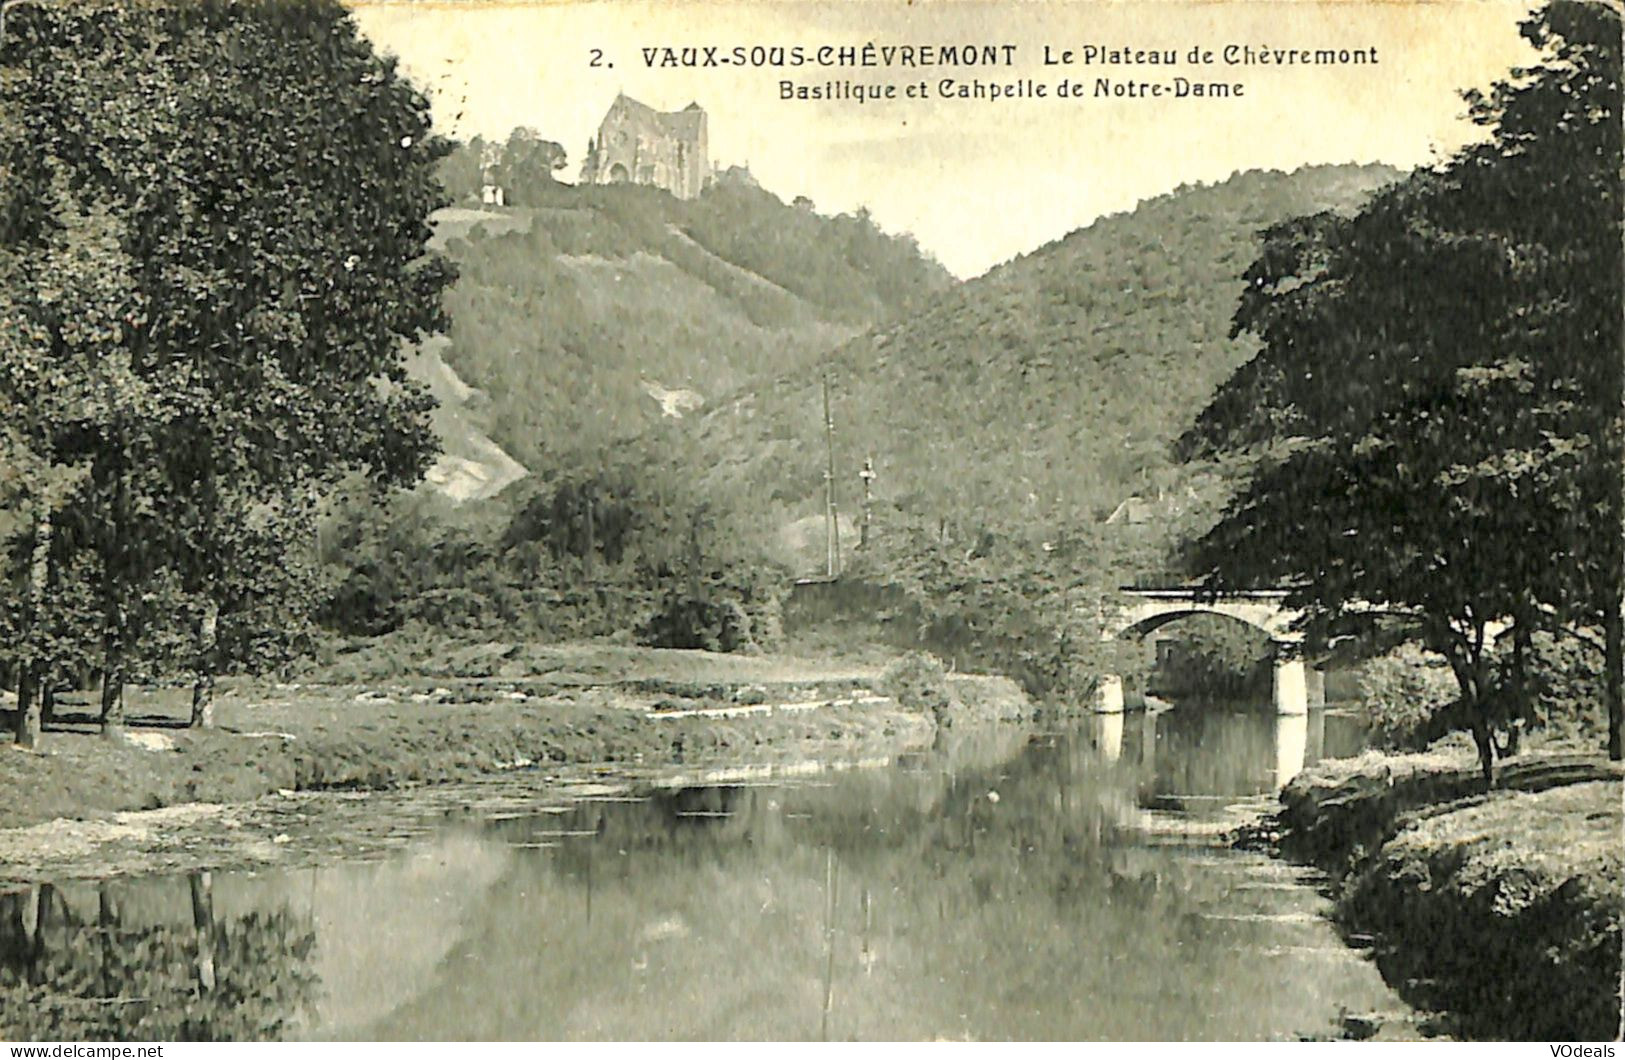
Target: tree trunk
[203, 683]
[203, 921]
[203, 700]
[1523, 708]
[25, 724]
[113, 695]
[694, 557]
[35, 673]
[592, 542]
[1484, 740]
[1614, 663]
[113, 633]
[1466, 658]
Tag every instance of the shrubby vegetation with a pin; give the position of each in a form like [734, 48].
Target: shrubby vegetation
[1007, 418]
[182, 407]
[1220, 658]
[523, 166]
[918, 682]
[1015, 604]
[640, 296]
[1410, 697]
[163, 497]
[633, 549]
[1401, 693]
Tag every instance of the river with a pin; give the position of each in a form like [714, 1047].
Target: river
[1005, 885]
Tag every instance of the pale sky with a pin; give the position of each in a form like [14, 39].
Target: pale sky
[976, 182]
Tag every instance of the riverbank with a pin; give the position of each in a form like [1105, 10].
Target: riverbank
[1501, 912]
[372, 721]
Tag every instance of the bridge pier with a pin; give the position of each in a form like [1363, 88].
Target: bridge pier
[1291, 747]
[1294, 685]
[1291, 686]
[1109, 694]
[1316, 686]
[1109, 736]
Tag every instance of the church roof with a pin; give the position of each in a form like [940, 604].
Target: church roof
[686, 123]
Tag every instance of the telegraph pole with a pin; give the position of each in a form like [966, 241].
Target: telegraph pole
[868, 477]
[832, 528]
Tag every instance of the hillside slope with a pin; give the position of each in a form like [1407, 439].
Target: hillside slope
[1043, 393]
[604, 310]
[471, 467]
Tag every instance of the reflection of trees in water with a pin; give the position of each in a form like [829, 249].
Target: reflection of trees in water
[70, 971]
[1207, 751]
[897, 903]
[1057, 801]
[1055, 825]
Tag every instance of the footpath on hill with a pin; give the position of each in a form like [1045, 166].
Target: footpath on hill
[373, 723]
[1501, 912]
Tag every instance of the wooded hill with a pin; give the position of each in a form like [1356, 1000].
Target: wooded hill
[1045, 392]
[599, 311]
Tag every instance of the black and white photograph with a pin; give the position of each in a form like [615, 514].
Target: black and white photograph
[925, 521]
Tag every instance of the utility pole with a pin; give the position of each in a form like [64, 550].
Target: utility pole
[868, 477]
[832, 527]
[592, 543]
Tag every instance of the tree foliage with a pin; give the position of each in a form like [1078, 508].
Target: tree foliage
[1439, 389]
[214, 220]
[632, 546]
[1048, 390]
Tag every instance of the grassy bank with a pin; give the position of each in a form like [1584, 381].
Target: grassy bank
[466, 712]
[1502, 912]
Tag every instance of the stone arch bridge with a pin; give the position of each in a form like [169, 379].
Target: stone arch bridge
[1263, 609]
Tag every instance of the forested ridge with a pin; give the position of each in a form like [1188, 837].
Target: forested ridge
[1046, 391]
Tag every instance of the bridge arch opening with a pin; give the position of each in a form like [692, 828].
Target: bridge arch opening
[1199, 656]
[1147, 626]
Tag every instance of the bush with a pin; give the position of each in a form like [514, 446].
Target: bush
[1567, 693]
[688, 622]
[1408, 697]
[1401, 695]
[919, 683]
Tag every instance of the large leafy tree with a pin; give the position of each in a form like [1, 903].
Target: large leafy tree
[255, 182]
[1437, 402]
[526, 167]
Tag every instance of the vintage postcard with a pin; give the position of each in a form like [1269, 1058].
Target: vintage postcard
[797, 520]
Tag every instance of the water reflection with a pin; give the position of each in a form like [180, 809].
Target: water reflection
[999, 887]
[1109, 735]
[1194, 752]
[150, 961]
[1291, 746]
